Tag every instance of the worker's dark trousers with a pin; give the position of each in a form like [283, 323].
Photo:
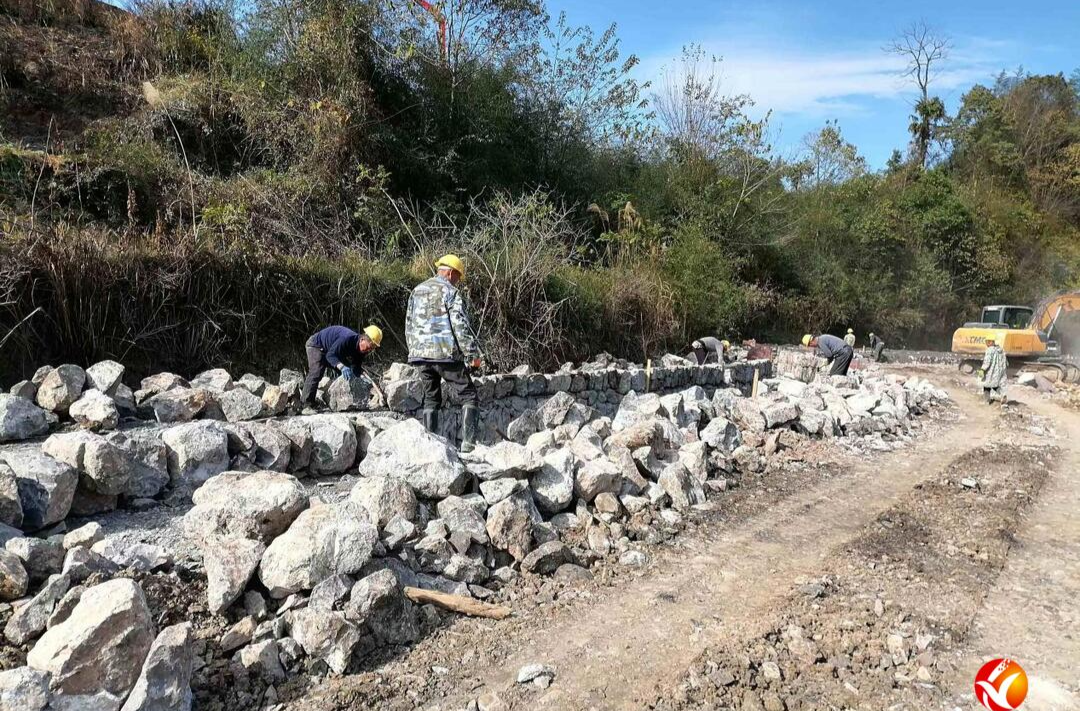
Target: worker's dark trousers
[842, 362]
[316, 366]
[453, 374]
[879, 353]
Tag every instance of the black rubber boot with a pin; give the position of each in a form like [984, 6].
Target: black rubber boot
[431, 421]
[470, 422]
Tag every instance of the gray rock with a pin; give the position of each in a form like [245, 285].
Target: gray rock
[230, 561]
[179, 404]
[721, 434]
[85, 536]
[554, 411]
[300, 440]
[523, 427]
[81, 563]
[504, 460]
[460, 516]
[747, 412]
[25, 389]
[104, 468]
[547, 558]
[162, 382]
[164, 684]
[385, 498]
[780, 414]
[334, 443]
[694, 456]
[530, 672]
[148, 458]
[397, 532]
[40, 557]
[510, 522]
[262, 659]
[24, 689]
[240, 405]
[66, 605]
[498, 489]
[553, 485]
[13, 577]
[217, 380]
[46, 487]
[344, 396]
[20, 419]
[257, 505]
[636, 408]
[587, 445]
[378, 602]
[273, 448]
[96, 411]
[90, 503]
[466, 570]
[632, 480]
[196, 452]
[683, 489]
[275, 401]
[327, 636]
[30, 620]
[426, 462]
[140, 556]
[633, 559]
[596, 477]
[252, 383]
[571, 573]
[327, 540]
[330, 593]
[11, 513]
[239, 634]
[102, 645]
[60, 388]
[104, 376]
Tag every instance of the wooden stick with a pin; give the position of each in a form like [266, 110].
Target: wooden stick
[458, 603]
[754, 389]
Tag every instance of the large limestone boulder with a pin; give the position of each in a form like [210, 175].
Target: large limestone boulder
[748, 413]
[327, 540]
[217, 380]
[104, 468]
[178, 404]
[257, 505]
[104, 376]
[162, 382]
[24, 689]
[301, 443]
[13, 577]
[553, 485]
[46, 487]
[230, 562]
[101, 645]
[503, 460]
[510, 524]
[326, 635]
[11, 513]
[721, 434]
[426, 462]
[683, 489]
[196, 452]
[334, 444]
[636, 408]
[149, 461]
[60, 388]
[240, 405]
[597, 477]
[25, 389]
[780, 414]
[343, 396]
[30, 620]
[164, 684]
[379, 602]
[20, 419]
[272, 448]
[384, 498]
[95, 411]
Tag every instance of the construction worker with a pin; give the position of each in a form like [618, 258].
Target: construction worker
[710, 350]
[338, 348]
[850, 338]
[442, 345]
[877, 348]
[833, 349]
[994, 372]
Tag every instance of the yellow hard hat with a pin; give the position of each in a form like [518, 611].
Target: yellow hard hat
[850, 331]
[806, 339]
[726, 344]
[452, 261]
[374, 333]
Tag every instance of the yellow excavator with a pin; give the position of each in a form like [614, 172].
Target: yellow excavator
[1026, 334]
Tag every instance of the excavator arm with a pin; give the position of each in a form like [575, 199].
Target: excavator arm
[1050, 309]
[437, 14]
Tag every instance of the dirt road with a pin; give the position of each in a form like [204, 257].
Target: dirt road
[799, 600]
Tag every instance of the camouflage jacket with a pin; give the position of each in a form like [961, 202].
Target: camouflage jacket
[437, 329]
[995, 368]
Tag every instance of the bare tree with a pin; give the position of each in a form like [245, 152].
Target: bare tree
[924, 49]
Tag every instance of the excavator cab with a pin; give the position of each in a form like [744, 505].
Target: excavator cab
[1003, 317]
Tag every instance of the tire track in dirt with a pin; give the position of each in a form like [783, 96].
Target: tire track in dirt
[619, 652]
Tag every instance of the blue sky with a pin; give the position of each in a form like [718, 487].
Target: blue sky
[813, 60]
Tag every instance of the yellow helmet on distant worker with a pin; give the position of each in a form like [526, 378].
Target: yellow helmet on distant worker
[806, 339]
[374, 334]
[453, 262]
[850, 331]
[725, 344]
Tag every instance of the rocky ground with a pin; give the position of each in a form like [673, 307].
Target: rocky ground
[798, 571]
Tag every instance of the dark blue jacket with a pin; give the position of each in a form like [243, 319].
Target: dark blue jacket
[339, 345]
[829, 346]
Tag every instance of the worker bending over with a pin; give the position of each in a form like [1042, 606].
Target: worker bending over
[877, 348]
[710, 350]
[850, 338]
[340, 349]
[442, 345]
[994, 372]
[833, 349]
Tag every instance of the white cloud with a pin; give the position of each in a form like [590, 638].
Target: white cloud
[831, 83]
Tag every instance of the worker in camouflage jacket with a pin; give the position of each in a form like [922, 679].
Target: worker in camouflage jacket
[443, 346]
[994, 372]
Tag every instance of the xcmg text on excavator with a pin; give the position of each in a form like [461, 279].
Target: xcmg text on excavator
[1027, 335]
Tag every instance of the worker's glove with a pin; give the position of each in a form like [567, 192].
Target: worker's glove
[476, 364]
[347, 373]
[982, 374]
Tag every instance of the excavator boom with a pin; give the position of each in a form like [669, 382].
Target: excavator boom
[1050, 309]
